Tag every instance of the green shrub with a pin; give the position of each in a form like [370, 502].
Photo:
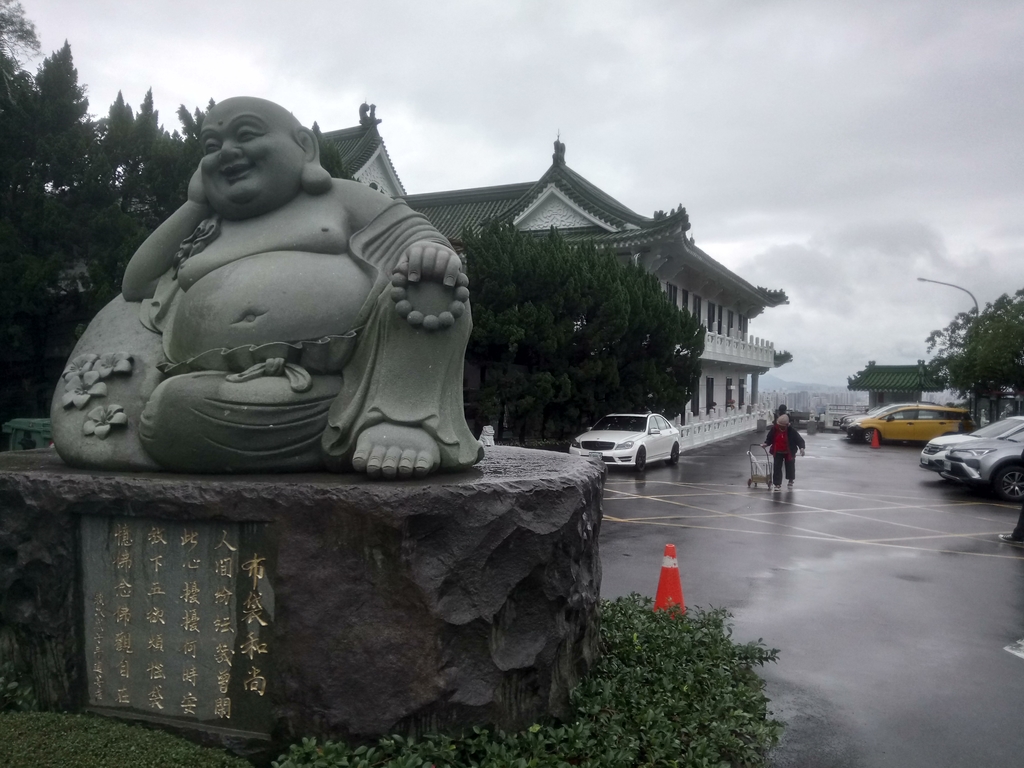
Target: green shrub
[669, 691]
[48, 740]
[16, 695]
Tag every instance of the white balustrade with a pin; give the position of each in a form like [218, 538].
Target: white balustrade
[721, 424]
[733, 348]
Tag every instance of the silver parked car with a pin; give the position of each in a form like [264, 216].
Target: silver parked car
[630, 439]
[993, 462]
[935, 455]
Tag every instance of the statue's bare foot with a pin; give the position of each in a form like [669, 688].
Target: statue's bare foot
[390, 451]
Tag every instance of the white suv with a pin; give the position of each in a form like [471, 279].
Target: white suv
[935, 455]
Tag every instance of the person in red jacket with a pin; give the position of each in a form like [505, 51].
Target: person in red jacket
[782, 441]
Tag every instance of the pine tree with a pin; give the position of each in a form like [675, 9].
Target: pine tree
[77, 197]
[564, 333]
[18, 41]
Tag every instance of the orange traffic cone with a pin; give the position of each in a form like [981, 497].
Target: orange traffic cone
[875, 442]
[670, 587]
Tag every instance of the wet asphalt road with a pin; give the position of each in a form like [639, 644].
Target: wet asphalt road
[884, 587]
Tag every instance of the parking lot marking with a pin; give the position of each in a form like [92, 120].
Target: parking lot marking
[889, 522]
[760, 507]
[723, 514]
[821, 537]
[763, 496]
[987, 534]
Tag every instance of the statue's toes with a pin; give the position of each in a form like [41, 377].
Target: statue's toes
[426, 463]
[362, 453]
[376, 458]
[407, 463]
[389, 465]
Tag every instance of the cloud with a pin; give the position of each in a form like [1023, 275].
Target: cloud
[838, 150]
[854, 296]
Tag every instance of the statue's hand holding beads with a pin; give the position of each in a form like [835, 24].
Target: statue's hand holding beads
[425, 263]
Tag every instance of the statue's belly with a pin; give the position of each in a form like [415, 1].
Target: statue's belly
[278, 296]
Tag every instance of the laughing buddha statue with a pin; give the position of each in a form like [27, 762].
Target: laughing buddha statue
[279, 321]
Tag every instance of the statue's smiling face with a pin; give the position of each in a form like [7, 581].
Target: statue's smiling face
[253, 157]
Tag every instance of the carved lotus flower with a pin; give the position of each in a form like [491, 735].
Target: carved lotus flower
[115, 362]
[79, 366]
[79, 388]
[102, 419]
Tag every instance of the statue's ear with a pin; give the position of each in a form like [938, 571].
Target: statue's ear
[307, 140]
[315, 178]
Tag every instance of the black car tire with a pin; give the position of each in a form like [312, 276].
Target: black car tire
[641, 459]
[672, 460]
[869, 433]
[1008, 483]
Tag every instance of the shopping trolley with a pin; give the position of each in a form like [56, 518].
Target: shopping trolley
[760, 466]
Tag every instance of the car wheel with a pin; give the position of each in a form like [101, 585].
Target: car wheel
[1009, 483]
[869, 435]
[641, 459]
[674, 458]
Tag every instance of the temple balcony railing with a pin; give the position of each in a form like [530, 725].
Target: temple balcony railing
[721, 424]
[738, 349]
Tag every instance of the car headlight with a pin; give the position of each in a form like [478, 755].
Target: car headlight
[624, 446]
[972, 451]
[575, 443]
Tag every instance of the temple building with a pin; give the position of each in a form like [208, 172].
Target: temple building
[561, 198]
[894, 383]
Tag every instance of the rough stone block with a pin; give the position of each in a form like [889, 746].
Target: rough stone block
[434, 604]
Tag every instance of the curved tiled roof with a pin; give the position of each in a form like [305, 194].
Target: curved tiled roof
[357, 145]
[594, 201]
[894, 378]
[451, 211]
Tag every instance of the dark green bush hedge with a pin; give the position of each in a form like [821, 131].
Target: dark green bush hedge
[668, 691]
[47, 740]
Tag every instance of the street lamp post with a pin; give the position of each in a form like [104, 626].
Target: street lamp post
[939, 282]
[973, 399]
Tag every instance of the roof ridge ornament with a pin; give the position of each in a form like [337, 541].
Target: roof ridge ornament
[558, 158]
[367, 115]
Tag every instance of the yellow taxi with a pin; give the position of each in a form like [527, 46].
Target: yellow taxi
[919, 422]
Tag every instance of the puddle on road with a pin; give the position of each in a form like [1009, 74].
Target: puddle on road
[807, 587]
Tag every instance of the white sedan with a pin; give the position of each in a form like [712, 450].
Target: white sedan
[630, 439]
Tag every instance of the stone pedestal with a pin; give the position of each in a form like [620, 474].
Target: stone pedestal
[255, 610]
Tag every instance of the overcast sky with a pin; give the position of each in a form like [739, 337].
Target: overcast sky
[835, 150]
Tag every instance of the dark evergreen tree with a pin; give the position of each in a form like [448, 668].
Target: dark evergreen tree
[77, 197]
[982, 354]
[564, 333]
[44, 230]
[18, 41]
[330, 156]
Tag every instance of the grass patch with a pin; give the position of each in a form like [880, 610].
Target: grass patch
[668, 691]
[49, 740]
